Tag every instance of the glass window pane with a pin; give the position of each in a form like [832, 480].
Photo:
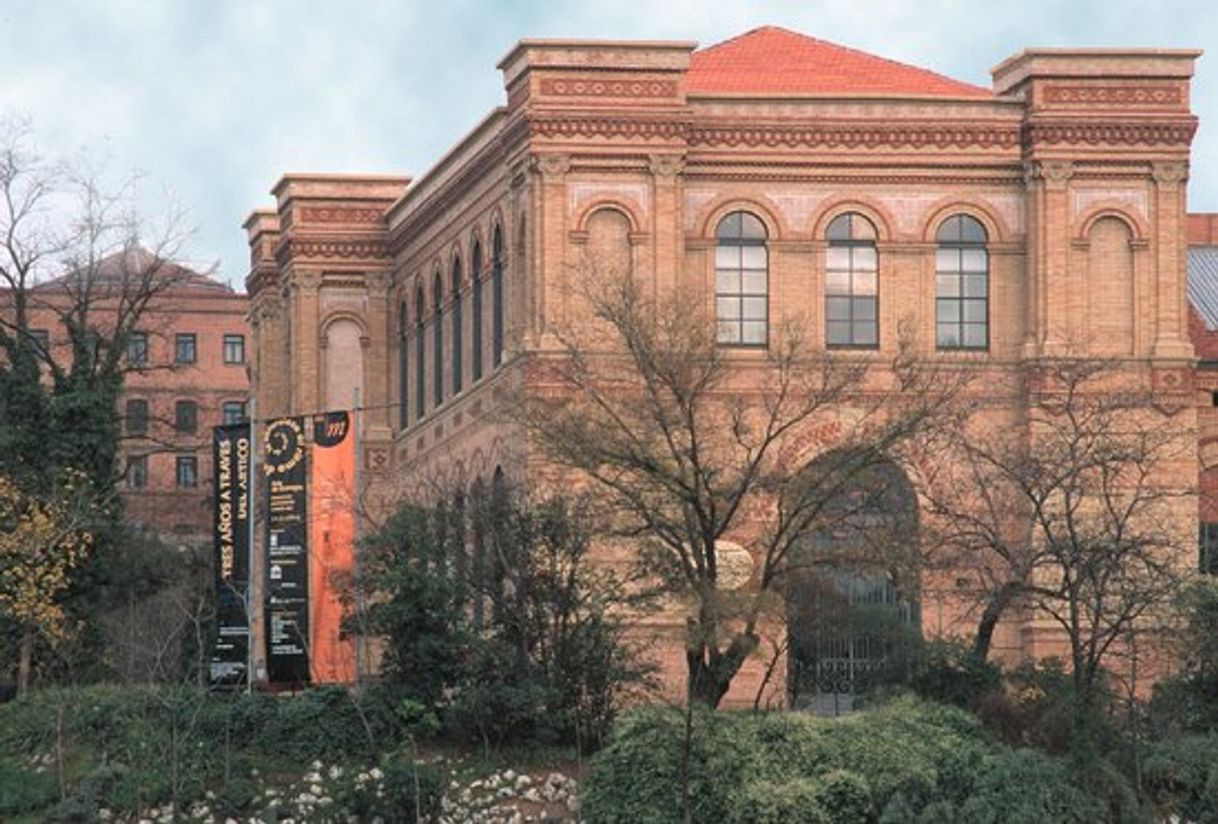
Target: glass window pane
[974, 311]
[949, 230]
[837, 309]
[727, 281]
[865, 333]
[947, 260]
[974, 260]
[837, 283]
[974, 335]
[948, 311]
[947, 286]
[754, 308]
[861, 228]
[971, 230]
[974, 286]
[729, 332]
[754, 332]
[947, 335]
[753, 283]
[727, 308]
[864, 283]
[751, 226]
[864, 258]
[837, 332]
[753, 257]
[727, 257]
[839, 228]
[864, 308]
[837, 258]
[729, 227]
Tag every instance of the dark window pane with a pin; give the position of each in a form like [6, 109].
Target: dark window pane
[864, 308]
[137, 416]
[948, 311]
[975, 335]
[187, 471]
[185, 348]
[837, 332]
[741, 287]
[234, 349]
[837, 309]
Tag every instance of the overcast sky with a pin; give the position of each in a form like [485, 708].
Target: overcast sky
[215, 99]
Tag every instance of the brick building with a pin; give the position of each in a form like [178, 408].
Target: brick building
[1042, 217]
[187, 372]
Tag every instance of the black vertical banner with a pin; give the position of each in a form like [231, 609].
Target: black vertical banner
[287, 607]
[231, 525]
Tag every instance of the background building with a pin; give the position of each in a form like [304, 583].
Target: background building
[1059, 193]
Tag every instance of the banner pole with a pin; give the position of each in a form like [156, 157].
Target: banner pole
[359, 600]
[249, 561]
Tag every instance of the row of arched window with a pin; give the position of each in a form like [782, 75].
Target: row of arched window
[447, 318]
[852, 292]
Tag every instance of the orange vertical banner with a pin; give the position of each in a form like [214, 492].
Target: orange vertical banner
[331, 546]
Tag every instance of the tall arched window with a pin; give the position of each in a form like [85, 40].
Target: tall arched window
[741, 281]
[475, 275]
[851, 283]
[420, 356]
[404, 364]
[456, 330]
[962, 288]
[497, 298]
[437, 331]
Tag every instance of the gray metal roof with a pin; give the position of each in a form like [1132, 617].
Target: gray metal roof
[1203, 283]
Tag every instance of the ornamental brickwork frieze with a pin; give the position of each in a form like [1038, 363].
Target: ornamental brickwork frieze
[330, 249]
[871, 136]
[1133, 96]
[336, 214]
[606, 127]
[600, 87]
[1175, 133]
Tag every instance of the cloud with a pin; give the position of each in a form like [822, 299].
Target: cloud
[218, 99]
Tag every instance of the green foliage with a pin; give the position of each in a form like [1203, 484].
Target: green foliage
[404, 789]
[856, 764]
[1181, 777]
[549, 665]
[24, 788]
[947, 671]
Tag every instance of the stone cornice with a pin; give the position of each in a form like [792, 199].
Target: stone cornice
[863, 135]
[330, 248]
[1175, 132]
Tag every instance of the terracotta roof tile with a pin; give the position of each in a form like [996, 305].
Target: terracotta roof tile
[773, 60]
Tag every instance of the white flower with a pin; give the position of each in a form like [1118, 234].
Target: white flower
[376, 773]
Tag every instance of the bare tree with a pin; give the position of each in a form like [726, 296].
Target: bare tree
[1075, 514]
[687, 442]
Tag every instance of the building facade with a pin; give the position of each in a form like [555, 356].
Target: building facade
[186, 371]
[771, 176]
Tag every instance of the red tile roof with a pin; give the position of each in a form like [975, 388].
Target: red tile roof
[773, 60]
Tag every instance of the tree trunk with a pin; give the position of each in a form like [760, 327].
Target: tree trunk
[989, 620]
[710, 670]
[25, 662]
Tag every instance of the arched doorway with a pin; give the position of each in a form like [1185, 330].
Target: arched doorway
[852, 589]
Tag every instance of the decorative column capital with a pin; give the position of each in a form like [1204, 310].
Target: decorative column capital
[1169, 175]
[666, 165]
[552, 166]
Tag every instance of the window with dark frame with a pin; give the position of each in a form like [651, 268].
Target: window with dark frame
[475, 275]
[137, 472]
[741, 281]
[42, 341]
[186, 416]
[137, 348]
[137, 416]
[1207, 545]
[437, 331]
[497, 298]
[185, 348]
[404, 364]
[187, 471]
[456, 327]
[420, 358]
[233, 412]
[962, 289]
[852, 303]
[234, 348]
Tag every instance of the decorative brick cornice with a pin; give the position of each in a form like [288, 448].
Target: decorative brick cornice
[629, 128]
[601, 87]
[1150, 133]
[340, 214]
[860, 136]
[1143, 95]
[330, 249]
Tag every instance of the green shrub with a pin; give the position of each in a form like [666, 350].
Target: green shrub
[1027, 787]
[24, 790]
[1181, 777]
[779, 802]
[403, 788]
[846, 796]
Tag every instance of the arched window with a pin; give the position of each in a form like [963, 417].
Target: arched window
[962, 288]
[420, 359]
[475, 274]
[404, 364]
[497, 298]
[437, 331]
[456, 330]
[742, 274]
[851, 283]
